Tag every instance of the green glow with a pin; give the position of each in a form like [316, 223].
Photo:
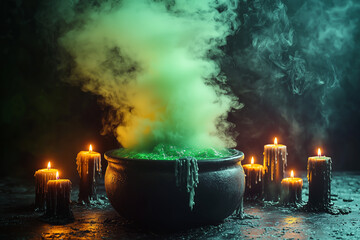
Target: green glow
[153, 62]
[166, 152]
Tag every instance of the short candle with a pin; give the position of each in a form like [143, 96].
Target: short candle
[275, 161]
[319, 177]
[88, 165]
[42, 176]
[253, 178]
[291, 189]
[58, 198]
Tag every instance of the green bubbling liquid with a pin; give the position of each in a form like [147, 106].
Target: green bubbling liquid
[166, 152]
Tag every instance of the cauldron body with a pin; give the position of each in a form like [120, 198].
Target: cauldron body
[145, 190]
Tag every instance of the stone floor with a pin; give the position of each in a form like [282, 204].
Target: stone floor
[264, 220]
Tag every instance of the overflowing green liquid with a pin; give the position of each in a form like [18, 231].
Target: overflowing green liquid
[166, 152]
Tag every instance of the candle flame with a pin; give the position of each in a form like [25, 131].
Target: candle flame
[275, 141]
[252, 160]
[57, 175]
[292, 173]
[319, 152]
[49, 166]
[90, 148]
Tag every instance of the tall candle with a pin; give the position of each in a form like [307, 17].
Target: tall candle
[253, 179]
[88, 166]
[291, 190]
[319, 177]
[42, 176]
[275, 161]
[58, 198]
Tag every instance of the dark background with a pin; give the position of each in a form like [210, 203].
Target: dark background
[43, 118]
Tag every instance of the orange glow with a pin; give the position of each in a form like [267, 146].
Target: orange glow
[57, 175]
[319, 152]
[90, 148]
[275, 141]
[252, 160]
[292, 174]
[49, 166]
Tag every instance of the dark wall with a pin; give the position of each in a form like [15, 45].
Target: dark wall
[44, 118]
[296, 67]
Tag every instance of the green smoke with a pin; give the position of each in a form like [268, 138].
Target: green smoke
[155, 64]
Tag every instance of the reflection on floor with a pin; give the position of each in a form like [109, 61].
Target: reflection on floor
[264, 221]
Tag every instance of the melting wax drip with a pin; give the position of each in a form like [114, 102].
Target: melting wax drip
[291, 193]
[41, 179]
[254, 178]
[186, 174]
[275, 162]
[279, 153]
[88, 166]
[258, 176]
[84, 157]
[319, 177]
[58, 198]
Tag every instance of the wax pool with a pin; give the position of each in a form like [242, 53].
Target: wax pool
[88, 166]
[42, 176]
[275, 161]
[253, 179]
[319, 177]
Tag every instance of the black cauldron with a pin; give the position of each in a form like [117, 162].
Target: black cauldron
[146, 191]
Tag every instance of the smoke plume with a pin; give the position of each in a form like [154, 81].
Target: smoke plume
[165, 67]
[155, 63]
[287, 63]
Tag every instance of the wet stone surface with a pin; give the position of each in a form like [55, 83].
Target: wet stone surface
[263, 220]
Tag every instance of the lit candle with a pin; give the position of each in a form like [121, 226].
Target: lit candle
[319, 177]
[88, 166]
[58, 198]
[275, 161]
[254, 175]
[42, 176]
[291, 189]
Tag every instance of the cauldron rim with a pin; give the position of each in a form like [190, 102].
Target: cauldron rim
[237, 156]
